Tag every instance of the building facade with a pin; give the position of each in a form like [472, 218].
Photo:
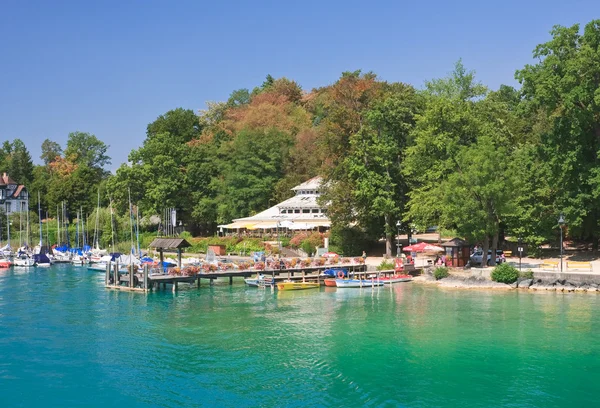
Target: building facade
[300, 212]
[14, 197]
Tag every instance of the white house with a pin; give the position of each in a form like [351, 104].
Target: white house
[300, 212]
[14, 197]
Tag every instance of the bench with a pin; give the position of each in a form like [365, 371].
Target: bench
[549, 265]
[587, 266]
[507, 254]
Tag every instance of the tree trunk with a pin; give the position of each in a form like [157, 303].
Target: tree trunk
[388, 237]
[486, 247]
[494, 247]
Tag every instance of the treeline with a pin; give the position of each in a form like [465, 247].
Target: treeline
[456, 154]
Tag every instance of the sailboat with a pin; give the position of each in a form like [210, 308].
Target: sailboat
[22, 259]
[96, 253]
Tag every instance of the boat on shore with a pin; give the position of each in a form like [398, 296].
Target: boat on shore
[357, 283]
[297, 285]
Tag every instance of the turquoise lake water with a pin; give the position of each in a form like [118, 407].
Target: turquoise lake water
[66, 341]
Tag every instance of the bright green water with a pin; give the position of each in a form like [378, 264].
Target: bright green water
[66, 341]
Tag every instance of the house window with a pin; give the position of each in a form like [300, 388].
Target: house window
[307, 211]
[315, 211]
[323, 211]
[296, 211]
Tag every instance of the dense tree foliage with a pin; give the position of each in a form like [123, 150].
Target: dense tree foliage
[481, 162]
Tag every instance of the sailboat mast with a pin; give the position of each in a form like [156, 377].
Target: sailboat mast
[47, 230]
[130, 222]
[82, 228]
[40, 217]
[21, 225]
[57, 226]
[27, 229]
[112, 233]
[96, 231]
[137, 210]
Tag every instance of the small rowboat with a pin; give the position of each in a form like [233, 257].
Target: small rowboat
[260, 280]
[330, 282]
[357, 283]
[297, 285]
[5, 263]
[395, 279]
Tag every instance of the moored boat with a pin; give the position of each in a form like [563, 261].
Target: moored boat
[23, 261]
[41, 260]
[395, 279]
[259, 280]
[357, 283]
[297, 285]
[330, 282]
[5, 263]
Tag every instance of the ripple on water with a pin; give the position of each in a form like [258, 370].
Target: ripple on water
[406, 345]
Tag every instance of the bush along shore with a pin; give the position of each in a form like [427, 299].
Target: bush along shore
[508, 278]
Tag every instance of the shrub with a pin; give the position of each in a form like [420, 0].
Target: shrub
[441, 273]
[527, 274]
[505, 273]
[385, 265]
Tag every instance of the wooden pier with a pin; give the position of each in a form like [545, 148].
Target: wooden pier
[147, 279]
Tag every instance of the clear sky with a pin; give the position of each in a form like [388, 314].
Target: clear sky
[111, 67]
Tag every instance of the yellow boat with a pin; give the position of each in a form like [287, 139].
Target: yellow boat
[297, 285]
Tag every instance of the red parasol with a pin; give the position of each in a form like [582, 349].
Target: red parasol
[423, 247]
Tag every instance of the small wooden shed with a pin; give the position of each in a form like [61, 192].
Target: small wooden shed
[170, 243]
[457, 252]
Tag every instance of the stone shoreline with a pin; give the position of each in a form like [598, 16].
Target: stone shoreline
[478, 282]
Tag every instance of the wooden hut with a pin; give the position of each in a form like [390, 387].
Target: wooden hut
[170, 243]
[457, 252]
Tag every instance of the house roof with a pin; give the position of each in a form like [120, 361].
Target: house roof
[455, 242]
[312, 184]
[169, 243]
[7, 180]
[18, 190]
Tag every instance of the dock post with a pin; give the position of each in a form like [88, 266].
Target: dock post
[179, 257]
[131, 275]
[231, 280]
[116, 274]
[198, 282]
[107, 277]
[146, 277]
[174, 287]
[162, 260]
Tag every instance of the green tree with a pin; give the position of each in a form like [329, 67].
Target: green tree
[50, 151]
[564, 85]
[19, 163]
[458, 164]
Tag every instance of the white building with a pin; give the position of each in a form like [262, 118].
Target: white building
[300, 212]
[14, 197]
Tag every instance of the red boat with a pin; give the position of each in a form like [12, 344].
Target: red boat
[330, 282]
[5, 263]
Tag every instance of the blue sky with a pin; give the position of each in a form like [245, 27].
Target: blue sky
[111, 67]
